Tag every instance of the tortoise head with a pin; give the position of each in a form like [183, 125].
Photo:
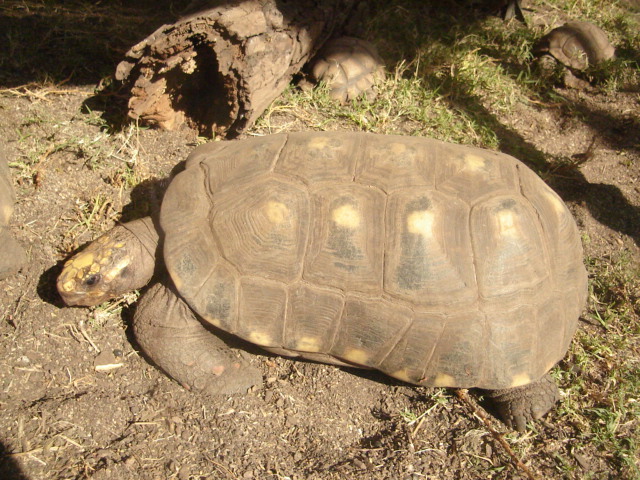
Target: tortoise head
[116, 263]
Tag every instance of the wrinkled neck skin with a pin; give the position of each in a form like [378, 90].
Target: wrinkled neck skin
[122, 260]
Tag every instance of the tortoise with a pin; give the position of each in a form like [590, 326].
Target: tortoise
[12, 255]
[438, 264]
[349, 66]
[575, 45]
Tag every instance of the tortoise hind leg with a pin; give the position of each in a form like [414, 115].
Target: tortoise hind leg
[171, 335]
[519, 405]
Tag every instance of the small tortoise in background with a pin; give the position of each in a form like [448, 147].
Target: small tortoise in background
[576, 46]
[437, 264]
[350, 67]
[12, 256]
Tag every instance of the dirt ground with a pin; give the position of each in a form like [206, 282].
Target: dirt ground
[62, 418]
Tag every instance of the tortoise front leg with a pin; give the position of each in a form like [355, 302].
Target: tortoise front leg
[171, 335]
[519, 405]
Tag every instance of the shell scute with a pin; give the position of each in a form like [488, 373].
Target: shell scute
[429, 257]
[261, 310]
[313, 315]
[510, 253]
[369, 330]
[314, 157]
[238, 162]
[347, 234]
[395, 162]
[217, 300]
[262, 228]
[471, 173]
[458, 356]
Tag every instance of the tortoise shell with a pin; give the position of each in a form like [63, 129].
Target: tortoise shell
[577, 45]
[437, 264]
[349, 66]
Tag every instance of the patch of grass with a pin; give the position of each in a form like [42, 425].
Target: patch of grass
[403, 106]
[603, 396]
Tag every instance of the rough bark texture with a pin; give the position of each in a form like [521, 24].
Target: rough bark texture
[220, 67]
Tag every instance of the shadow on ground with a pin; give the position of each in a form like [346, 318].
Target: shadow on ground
[9, 469]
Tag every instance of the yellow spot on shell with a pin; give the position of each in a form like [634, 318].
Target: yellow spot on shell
[5, 214]
[83, 260]
[421, 222]
[474, 163]
[444, 380]
[397, 148]
[260, 338]
[308, 344]
[507, 224]
[356, 355]
[557, 204]
[520, 379]
[346, 216]
[276, 212]
[402, 375]
[213, 321]
[319, 143]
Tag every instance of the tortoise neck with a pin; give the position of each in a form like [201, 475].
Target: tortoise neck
[146, 231]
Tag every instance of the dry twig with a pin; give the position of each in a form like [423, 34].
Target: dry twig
[464, 396]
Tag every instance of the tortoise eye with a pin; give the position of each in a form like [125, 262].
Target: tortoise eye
[91, 280]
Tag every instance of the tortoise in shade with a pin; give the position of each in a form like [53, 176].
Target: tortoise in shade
[437, 264]
[350, 68]
[574, 46]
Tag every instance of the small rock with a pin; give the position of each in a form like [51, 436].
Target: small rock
[582, 461]
[106, 362]
[184, 472]
[23, 361]
[359, 464]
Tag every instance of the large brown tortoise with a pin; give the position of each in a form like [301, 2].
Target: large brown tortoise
[437, 264]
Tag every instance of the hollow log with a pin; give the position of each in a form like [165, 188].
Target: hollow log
[219, 68]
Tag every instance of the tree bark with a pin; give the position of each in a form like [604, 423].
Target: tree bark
[219, 68]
